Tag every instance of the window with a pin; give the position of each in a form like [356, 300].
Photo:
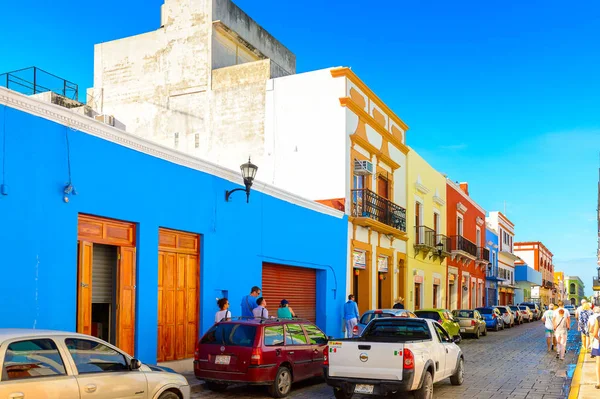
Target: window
[436, 289]
[32, 359]
[367, 317]
[294, 335]
[315, 336]
[398, 330]
[478, 237]
[436, 224]
[94, 357]
[441, 332]
[428, 315]
[418, 223]
[459, 226]
[230, 334]
[274, 336]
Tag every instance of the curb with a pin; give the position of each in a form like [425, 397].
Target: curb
[576, 381]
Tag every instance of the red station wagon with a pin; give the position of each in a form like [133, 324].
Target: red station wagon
[274, 353]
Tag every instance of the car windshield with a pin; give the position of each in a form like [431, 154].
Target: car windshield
[367, 317]
[463, 313]
[515, 308]
[428, 315]
[529, 305]
[230, 334]
[397, 330]
[484, 310]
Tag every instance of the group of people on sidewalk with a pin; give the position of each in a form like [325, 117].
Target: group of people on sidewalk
[253, 306]
[557, 322]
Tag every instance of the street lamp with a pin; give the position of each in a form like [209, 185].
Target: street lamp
[248, 173]
[440, 248]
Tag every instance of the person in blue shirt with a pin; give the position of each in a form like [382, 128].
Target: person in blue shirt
[350, 315]
[249, 302]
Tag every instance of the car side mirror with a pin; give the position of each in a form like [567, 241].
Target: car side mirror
[455, 340]
[135, 364]
[330, 337]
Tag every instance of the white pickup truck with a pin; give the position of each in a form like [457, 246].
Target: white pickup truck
[393, 355]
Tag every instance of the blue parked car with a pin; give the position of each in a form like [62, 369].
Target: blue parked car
[492, 317]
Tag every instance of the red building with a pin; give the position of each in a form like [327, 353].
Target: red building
[468, 262]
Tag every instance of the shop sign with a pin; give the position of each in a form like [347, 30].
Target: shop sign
[359, 259]
[382, 264]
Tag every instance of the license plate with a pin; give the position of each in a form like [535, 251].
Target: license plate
[362, 388]
[462, 330]
[222, 359]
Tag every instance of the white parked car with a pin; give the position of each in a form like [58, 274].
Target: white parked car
[397, 354]
[38, 364]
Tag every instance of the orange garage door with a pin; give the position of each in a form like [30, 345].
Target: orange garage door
[296, 284]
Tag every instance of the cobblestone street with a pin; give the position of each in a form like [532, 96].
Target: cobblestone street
[508, 364]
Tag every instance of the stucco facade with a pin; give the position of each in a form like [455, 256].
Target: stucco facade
[492, 280]
[575, 290]
[468, 263]
[426, 214]
[196, 84]
[126, 179]
[506, 257]
[536, 255]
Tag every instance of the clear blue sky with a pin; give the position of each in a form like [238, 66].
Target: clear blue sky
[503, 95]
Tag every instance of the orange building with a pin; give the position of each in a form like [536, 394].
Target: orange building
[469, 257]
[538, 256]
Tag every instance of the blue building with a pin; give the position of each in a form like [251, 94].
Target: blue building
[112, 235]
[491, 277]
[525, 279]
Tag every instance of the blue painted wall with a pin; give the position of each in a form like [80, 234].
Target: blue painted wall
[38, 231]
[491, 276]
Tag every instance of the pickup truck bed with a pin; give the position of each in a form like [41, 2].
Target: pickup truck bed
[392, 355]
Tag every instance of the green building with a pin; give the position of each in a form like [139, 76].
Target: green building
[575, 289]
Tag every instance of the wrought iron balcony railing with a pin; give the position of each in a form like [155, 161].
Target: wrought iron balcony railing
[460, 243]
[445, 241]
[425, 236]
[365, 203]
[483, 254]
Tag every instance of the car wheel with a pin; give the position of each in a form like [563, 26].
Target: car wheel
[485, 332]
[459, 376]
[213, 386]
[282, 385]
[426, 390]
[477, 334]
[168, 395]
[341, 394]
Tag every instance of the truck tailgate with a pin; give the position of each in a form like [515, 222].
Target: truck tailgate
[366, 360]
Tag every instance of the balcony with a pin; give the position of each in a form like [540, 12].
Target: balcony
[463, 250]
[427, 242]
[377, 212]
[483, 256]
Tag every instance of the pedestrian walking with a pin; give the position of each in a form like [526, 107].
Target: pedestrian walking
[548, 320]
[223, 314]
[578, 310]
[284, 311]
[350, 315]
[261, 312]
[249, 302]
[399, 304]
[561, 330]
[595, 335]
[582, 325]
[594, 318]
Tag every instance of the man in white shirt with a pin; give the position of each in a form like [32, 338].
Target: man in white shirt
[549, 325]
[261, 312]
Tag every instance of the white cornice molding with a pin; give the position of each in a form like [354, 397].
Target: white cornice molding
[457, 188]
[420, 186]
[66, 117]
[479, 221]
[461, 207]
[437, 199]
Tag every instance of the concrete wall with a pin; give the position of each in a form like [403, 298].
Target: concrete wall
[38, 233]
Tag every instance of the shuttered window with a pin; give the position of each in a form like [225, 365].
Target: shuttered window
[103, 273]
[296, 284]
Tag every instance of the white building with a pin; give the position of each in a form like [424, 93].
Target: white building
[506, 257]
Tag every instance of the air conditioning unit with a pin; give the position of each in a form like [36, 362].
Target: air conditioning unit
[107, 119]
[362, 168]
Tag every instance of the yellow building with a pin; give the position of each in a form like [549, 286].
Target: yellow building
[428, 246]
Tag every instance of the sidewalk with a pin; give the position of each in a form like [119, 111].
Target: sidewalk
[584, 379]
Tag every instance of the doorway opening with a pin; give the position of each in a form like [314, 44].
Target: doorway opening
[104, 298]
[417, 296]
[436, 292]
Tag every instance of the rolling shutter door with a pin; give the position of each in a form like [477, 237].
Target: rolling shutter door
[296, 284]
[103, 268]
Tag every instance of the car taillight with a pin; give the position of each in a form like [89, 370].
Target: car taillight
[355, 330]
[409, 359]
[197, 352]
[493, 315]
[378, 312]
[326, 356]
[473, 323]
[256, 356]
[440, 321]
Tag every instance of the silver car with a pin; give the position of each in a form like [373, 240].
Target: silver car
[52, 364]
[377, 313]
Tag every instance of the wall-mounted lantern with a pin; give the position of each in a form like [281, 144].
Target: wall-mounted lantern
[248, 173]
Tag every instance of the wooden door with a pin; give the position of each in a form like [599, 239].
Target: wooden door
[418, 222]
[178, 294]
[417, 296]
[84, 288]
[126, 300]
[382, 187]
